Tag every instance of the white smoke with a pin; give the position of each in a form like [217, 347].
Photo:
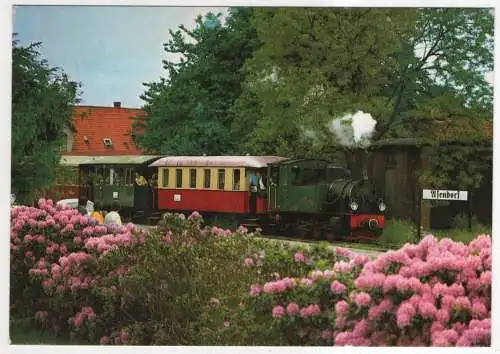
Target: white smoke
[353, 129]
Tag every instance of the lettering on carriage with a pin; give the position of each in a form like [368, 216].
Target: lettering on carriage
[177, 198]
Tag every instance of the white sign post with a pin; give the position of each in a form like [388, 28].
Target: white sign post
[436, 194]
[444, 195]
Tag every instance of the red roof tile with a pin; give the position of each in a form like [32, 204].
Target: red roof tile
[98, 123]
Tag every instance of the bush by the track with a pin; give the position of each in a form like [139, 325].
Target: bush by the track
[184, 284]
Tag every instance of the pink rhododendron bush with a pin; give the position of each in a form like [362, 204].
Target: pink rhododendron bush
[436, 293]
[185, 284]
[119, 285]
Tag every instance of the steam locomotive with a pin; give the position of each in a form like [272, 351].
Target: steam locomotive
[305, 197]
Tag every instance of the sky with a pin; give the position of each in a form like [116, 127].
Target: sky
[111, 50]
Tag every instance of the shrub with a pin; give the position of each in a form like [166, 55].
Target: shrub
[64, 269]
[435, 293]
[187, 284]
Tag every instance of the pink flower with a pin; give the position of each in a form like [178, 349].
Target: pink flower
[485, 278]
[337, 288]
[479, 310]
[248, 262]
[292, 308]
[341, 307]
[306, 282]
[104, 340]
[310, 310]
[427, 309]
[443, 316]
[299, 257]
[342, 252]
[362, 299]
[194, 215]
[342, 267]
[360, 259]
[404, 314]
[462, 303]
[255, 290]
[278, 311]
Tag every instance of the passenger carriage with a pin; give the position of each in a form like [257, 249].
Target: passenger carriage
[213, 185]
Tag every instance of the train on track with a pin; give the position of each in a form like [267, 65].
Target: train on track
[306, 197]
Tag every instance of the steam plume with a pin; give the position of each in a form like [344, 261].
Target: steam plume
[353, 130]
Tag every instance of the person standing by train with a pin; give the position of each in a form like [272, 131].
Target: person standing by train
[82, 205]
[98, 214]
[113, 217]
[140, 180]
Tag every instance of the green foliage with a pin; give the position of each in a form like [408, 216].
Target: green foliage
[189, 111]
[314, 65]
[398, 232]
[42, 104]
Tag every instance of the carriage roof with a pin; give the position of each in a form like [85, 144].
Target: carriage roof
[217, 161]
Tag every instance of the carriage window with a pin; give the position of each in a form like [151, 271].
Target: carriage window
[236, 180]
[178, 178]
[221, 179]
[165, 177]
[118, 176]
[206, 177]
[192, 178]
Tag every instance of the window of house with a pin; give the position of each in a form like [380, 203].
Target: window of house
[236, 179]
[221, 174]
[192, 178]
[165, 176]
[178, 177]
[206, 178]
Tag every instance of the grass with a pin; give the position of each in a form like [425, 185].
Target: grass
[22, 333]
[398, 232]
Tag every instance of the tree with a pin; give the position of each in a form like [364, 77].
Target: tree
[188, 112]
[42, 103]
[396, 64]
[318, 64]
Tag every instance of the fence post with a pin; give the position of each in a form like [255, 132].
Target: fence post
[469, 211]
[419, 212]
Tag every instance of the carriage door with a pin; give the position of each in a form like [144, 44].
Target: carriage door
[273, 182]
[252, 200]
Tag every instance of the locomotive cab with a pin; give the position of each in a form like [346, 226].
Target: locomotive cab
[315, 197]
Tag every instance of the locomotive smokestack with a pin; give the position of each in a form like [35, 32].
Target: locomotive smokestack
[357, 161]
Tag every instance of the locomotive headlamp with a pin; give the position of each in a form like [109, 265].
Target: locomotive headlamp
[354, 206]
[382, 206]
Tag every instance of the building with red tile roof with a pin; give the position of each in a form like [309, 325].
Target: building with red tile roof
[102, 131]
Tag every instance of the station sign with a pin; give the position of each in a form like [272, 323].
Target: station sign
[435, 194]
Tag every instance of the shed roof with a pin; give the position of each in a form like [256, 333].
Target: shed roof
[217, 161]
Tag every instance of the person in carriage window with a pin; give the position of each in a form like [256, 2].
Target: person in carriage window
[140, 180]
[254, 181]
[154, 181]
